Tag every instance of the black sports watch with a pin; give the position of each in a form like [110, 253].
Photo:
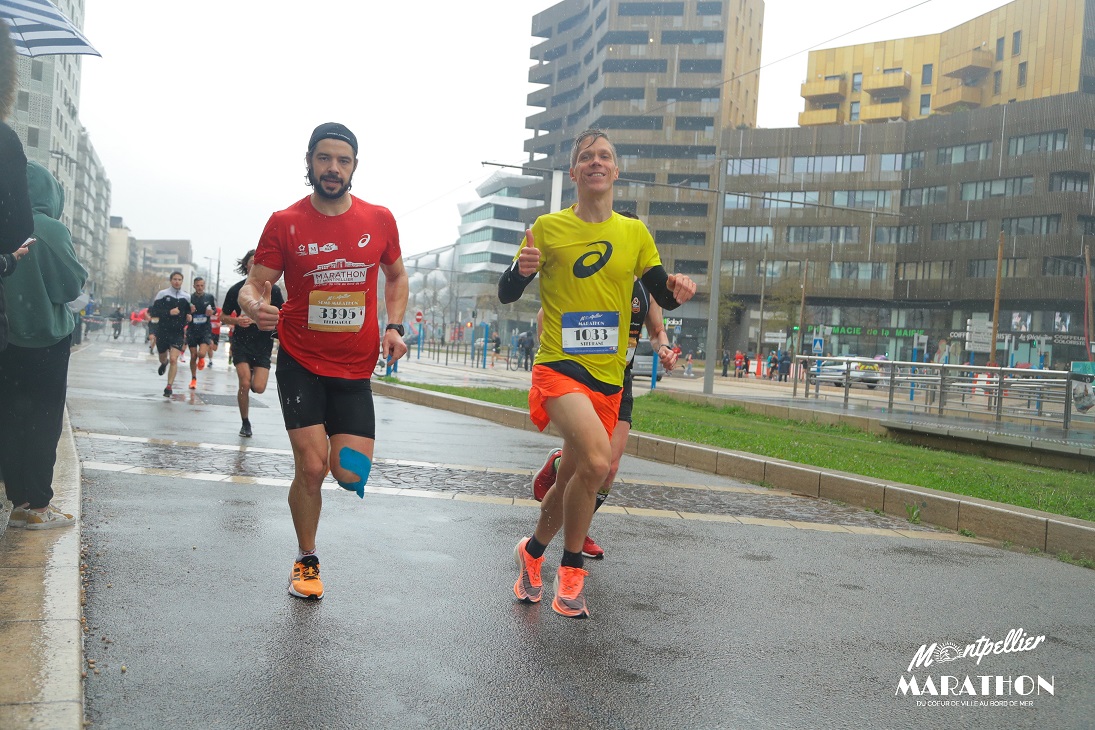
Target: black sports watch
[397, 327]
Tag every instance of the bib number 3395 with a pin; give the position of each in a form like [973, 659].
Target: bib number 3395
[336, 311]
[591, 333]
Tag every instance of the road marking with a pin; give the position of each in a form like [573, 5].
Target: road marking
[330, 484]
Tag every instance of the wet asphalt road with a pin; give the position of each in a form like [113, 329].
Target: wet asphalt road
[695, 624]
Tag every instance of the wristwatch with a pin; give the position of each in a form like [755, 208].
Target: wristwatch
[397, 327]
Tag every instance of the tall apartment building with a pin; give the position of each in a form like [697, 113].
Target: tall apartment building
[46, 118]
[1027, 49]
[663, 79]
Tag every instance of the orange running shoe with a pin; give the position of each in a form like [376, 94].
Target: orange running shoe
[592, 550]
[545, 478]
[201, 363]
[304, 581]
[528, 586]
[570, 597]
[193, 383]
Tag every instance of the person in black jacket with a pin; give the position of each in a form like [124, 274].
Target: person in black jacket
[172, 306]
[16, 219]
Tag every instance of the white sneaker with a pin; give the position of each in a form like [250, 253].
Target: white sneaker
[50, 518]
[18, 517]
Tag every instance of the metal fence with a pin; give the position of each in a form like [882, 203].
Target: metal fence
[1043, 396]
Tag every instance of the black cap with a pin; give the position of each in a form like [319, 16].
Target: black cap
[332, 130]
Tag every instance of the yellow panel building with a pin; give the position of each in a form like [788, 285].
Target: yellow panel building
[1025, 50]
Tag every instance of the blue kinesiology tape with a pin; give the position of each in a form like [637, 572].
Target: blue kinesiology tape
[358, 463]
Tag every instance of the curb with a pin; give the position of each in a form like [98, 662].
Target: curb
[49, 656]
[992, 520]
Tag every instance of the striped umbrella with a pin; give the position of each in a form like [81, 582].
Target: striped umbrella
[38, 28]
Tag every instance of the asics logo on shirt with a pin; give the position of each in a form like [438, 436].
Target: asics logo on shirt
[364, 240]
[591, 262]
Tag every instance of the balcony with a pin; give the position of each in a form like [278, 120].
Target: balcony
[887, 84]
[957, 98]
[969, 66]
[814, 117]
[825, 90]
[884, 112]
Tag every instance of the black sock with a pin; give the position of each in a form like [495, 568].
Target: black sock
[572, 560]
[247, 422]
[601, 497]
[534, 548]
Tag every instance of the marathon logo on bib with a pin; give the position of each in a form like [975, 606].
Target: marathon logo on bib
[340, 271]
[336, 311]
[591, 333]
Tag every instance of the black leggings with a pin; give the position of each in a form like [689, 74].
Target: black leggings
[307, 399]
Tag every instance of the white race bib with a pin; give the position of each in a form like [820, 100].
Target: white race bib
[336, 311]
[591, 333]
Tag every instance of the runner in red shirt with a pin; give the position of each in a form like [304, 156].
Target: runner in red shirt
[330, 247]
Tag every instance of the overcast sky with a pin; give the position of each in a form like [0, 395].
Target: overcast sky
[201, 111]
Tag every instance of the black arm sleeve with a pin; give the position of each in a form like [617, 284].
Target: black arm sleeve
[654, 279]
[511, 284]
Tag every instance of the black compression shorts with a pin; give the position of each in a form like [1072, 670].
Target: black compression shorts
[341, 405]
[256, 355]
[196, 336]
[169, 341]
[627, 400]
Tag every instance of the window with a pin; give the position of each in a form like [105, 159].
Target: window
[986, 268]
[651, 9]
[708, 8]
[897, 234]
[688, 94]
[1071, 182]
[620, 93]
[829, 163]
[1089, 139]
[680, 238]
[925, 270]
[822, 234]
[22, 101]
[32, 136]
[1022, 80]
[963, 153]
[999, 49]
[853, 111]
[746, 234]
[635, 65]
[1001, 188]
[1016, 42]
[858, 271]
[36, 70]
[857, 82]
[925, 104]
[697, 66]
[1044, 142]
[701, 182]
[753, 166]
[861, 198]
[1041, 225]
[1063, 266]
[894, 70]
[959, 231]
[695, 124]
[916, 197]
[692, 37]
[690, 268]
[733, 268]
[926, 74]
[889, 162]
[737, 201]
[698, 210]
[997, 81]
[789, 199]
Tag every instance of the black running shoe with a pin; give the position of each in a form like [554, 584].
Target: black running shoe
[245, 429]
[167, 392]
[163, 368]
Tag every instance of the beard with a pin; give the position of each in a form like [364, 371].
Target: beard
[319, 190]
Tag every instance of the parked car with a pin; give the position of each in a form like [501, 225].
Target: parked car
[836, 372]
[644, 361]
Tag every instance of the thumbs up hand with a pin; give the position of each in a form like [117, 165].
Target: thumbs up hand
[265, 314]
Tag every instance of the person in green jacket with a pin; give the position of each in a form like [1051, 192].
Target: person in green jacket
[34, 367]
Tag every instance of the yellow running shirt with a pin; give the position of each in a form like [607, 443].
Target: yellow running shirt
[586, 273]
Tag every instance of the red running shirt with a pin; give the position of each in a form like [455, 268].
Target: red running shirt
[329, 321]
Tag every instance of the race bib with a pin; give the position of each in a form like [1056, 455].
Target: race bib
[591, 333]
[336, 311]
[199, 319]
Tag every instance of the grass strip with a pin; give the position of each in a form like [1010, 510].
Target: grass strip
[844, 449]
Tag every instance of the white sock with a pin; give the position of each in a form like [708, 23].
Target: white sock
[301, 554]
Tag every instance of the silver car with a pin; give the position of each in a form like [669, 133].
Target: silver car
[644, 361]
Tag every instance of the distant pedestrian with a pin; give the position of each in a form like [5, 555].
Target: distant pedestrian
[773, 364]
[784, 366]
[739, 363]
[725, 362]
[688, 366]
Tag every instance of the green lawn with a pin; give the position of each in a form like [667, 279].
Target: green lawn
[844, 449]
